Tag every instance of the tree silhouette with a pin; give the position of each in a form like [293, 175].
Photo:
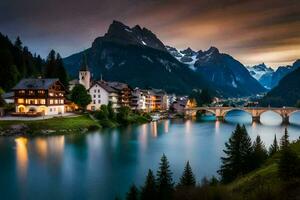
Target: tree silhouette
[289, 162]
[238, 155]
[260, 153]
[274, 147]
[188, 178]
[133, 193]
[149, 191]
[165, 185]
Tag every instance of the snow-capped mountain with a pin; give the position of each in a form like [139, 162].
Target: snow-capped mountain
[257, 71]
[269, 78]
[135, 55]
[221, 70]
[263, 74]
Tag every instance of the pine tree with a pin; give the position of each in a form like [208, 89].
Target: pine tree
[50, 68]
[18, 43]
[284, 141]
[274, 147]
[60, 71]
[165, 185]
[133, 193]
[259, 153]
[188, 178]
[148, 191]
[238, 155]
[289, 162]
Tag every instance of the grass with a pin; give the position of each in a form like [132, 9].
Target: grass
[57, 124]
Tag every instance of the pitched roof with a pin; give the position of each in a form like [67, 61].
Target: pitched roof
[117, 85]
[105, 86]
[31, 83]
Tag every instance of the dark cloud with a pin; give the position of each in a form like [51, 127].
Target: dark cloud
[251, 30]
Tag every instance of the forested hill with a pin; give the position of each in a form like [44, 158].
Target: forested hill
[286, 93]
[17, 62]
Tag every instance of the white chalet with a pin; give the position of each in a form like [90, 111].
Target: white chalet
[102, 94]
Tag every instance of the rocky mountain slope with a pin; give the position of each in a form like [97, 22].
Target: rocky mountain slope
[269, 78]
[286, 93]
[222, 71]
[136, 56]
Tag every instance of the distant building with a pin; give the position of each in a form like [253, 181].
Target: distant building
[39, 96]
[138, 100]
[180, 104]
[124, 93]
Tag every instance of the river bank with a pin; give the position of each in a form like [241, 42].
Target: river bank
[53, 126]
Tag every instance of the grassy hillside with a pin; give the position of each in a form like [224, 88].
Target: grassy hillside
[265, 182]
[261, 184]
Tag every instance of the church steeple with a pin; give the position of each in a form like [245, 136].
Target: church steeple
[84, 73]
[84, 65]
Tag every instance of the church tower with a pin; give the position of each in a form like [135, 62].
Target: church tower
[84, 73]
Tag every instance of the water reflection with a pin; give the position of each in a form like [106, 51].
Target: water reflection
[107, 162]
[41, 147]
[143, 136]
[22, 156]
[166, 125]
[154, 129]
[217, 126]
[188, 126]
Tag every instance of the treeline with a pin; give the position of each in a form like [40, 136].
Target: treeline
[241, 157]
[17, 62]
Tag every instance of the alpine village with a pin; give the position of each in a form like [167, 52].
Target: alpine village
[132, 118]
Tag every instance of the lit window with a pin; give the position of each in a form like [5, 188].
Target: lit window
[20, 100]
[51, 101]
[51, 94]
[31, 92]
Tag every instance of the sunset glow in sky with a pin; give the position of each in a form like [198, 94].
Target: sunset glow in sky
[253, 31]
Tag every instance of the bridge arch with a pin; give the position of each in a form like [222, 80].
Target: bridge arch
[206, 110]
[225, 112]
[293, 112]
[271, 110]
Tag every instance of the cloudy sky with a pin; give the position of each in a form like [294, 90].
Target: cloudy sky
[253, 31]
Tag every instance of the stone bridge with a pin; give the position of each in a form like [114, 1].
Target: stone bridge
[255, 112]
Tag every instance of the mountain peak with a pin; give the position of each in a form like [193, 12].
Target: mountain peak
[123, 34]
[188, 52]
[296, 64]
[213, 49]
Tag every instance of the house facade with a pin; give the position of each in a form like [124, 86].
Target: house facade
[102, 94]
[39, 96]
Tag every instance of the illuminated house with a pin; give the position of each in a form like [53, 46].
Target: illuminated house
[101, 94]
[39, 97]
